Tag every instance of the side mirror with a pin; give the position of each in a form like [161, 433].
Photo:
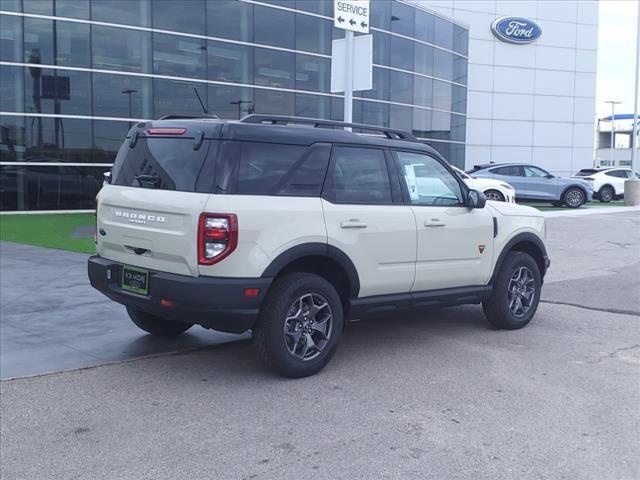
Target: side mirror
[106, 178]
[476, 199]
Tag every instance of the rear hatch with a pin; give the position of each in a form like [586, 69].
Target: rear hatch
[148, 215]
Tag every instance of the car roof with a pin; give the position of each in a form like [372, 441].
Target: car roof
[484, 166]
[293, 134]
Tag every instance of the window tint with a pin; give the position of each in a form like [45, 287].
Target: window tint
[513, 170]
[359, 175]
[263, 165]
[617, 173]
[160, 163]
[428, 181]
[534, 172]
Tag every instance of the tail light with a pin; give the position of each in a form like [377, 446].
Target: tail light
[217, 237]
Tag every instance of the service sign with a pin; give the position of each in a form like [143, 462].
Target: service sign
[351, 15]
[516, 30]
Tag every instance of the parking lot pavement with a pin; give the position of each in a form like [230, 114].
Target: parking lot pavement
[51, 319]
[439, 395]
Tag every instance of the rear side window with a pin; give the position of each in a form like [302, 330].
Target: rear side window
[277, 169]
[162, 163]
[358, 176]
[617, 173]
[512, 170]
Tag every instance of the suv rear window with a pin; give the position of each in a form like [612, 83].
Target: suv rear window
[162, 163]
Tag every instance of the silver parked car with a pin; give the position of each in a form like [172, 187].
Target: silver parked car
[534, 183]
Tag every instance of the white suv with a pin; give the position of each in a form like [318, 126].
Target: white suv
[608, 183]
[288, 227]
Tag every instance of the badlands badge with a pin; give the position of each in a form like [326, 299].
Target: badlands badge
[481, 248]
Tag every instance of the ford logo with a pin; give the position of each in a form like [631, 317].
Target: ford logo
[516, 30]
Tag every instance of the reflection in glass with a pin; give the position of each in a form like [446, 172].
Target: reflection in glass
[460, 40]
[38, 41]
[401, 89]
[40, 7]
[313, 34]
[120, 49]
[313, 73]
[442, 95]
[49, 188]
[312, 106]
[172, 97]
[402, 18]
[72, 8]
[183, 16]
[274, 102]
[459, 101]
[400, 117]
[274, 68]
[126, 12]
[424, 59]
[372, 113]
[403, 55]
[122, 96]
[273, 27]
[424, 26]
[230, 19]
[422, 91]
[381, 48]
[179, 56]
[107, 139]
[11, 5]
[321, 8]
[57, 91]
[230, 102]
[72, 44]
[58, 140]
[380, 16]
[11, 89]
[229, 62]
[380, 83]
[421, 122]
[12, 138]
[443, 33]
[443, 64]
[10, 38]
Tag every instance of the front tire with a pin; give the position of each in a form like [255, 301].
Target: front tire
[516, 292]
[573, 198]
[494, 195]
[606, 194]
[155, 325]
[300, 324]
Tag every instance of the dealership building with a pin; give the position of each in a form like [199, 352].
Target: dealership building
[75, 74]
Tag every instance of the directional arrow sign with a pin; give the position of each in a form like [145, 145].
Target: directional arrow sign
[351, 15]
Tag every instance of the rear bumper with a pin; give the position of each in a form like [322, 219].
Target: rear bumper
[213, 302]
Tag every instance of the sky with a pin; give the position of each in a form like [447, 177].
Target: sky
[616, 55]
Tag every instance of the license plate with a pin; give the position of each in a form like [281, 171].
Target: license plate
[135, 280]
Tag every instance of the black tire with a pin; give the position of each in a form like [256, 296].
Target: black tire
[155, 325]
[574, 197]
[494, 195]
[606, 194]
[287, 295]
[497, 307]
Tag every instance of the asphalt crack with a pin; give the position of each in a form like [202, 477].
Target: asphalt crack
[619, 311]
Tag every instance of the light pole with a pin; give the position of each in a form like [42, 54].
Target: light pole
[613, 116]
[129, 92]
[632, 185]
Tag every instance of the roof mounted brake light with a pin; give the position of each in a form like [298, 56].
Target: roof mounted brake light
[165, 131]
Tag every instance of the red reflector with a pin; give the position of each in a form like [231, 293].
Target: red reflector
[251, 292]
[166, 303]
[166, 131]
[216, 233]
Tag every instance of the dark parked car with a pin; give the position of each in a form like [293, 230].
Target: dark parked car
[534, 183]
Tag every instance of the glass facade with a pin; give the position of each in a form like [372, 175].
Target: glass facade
[74, 75]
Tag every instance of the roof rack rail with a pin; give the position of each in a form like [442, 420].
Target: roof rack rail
[390, 133]
[187, 117]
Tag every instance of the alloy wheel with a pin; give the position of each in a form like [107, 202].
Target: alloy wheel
[308, 326]
[574, 198]
[521, 291]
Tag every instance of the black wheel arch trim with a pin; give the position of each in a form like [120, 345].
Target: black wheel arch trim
[316, 249]
[525, 237]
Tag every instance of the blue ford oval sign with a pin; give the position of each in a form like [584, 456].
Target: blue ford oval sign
[516, 30]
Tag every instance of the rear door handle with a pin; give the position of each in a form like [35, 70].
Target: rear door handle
[434, 223]
[353, 223]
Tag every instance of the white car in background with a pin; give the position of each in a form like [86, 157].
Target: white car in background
[492, 189]
[608, 183]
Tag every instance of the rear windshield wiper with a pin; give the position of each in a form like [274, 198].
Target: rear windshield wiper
[152, 179]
